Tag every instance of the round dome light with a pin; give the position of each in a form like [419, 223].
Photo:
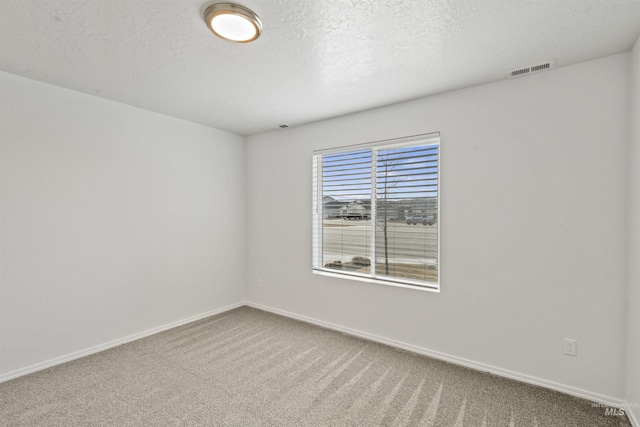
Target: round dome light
[233, 22]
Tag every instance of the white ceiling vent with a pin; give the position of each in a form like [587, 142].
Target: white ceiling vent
[532, 69]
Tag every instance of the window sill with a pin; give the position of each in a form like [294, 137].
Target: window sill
[435, 287]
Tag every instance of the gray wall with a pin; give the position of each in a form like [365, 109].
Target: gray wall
[115, 221]
[533, 223]
[633, 255]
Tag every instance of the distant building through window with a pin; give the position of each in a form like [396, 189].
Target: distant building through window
[376, 211]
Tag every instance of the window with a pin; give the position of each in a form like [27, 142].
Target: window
[376, 211]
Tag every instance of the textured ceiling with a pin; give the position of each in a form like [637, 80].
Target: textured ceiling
[315, 59]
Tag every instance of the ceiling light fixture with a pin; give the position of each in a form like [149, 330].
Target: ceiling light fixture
[233, 22]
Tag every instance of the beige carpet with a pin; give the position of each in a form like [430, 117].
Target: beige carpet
[251, 368]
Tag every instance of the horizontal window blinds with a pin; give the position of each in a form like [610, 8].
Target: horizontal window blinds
[376, 211]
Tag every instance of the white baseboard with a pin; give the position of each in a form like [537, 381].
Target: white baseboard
[595, 397]
[632, 418]
[98, 348]
[584, 394]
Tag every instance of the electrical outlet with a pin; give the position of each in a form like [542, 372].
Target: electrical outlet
[259, 283]
[570, 347]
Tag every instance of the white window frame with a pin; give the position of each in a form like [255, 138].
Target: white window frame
[317, 217]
